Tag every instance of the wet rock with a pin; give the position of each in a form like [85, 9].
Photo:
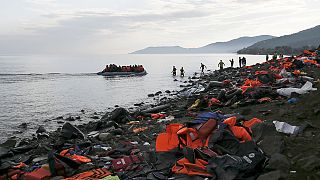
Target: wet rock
[70, 118]
[60, 122]
[158, 93]
[273, 175]
[267, 137]
[309, 163]
[279, 162]
[39, 159]
[167, 91]
[150, 95]
[82, 110]
[117, 132]
[71, 132]
[116, 106]
[23, 126]
[95, 117]
[139, 104]
[77, 117]
[93, 134]
[41, 129]
[316, 111]
[59, 117]
[11, 142]
[119, 115]
[105, 136]
[175, 80]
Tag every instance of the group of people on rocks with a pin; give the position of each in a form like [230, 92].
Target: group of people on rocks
[115, 68]
[221, 64]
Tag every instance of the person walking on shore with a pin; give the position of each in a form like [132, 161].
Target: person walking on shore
[182, 72]
[174, 71]
[202, 66]
[240, 60]
[221, 64]
[231, 61]
[267, 57]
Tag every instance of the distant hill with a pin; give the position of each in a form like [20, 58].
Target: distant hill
[288, 44]
[231, 46]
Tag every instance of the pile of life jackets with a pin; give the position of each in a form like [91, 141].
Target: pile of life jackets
[194, 140]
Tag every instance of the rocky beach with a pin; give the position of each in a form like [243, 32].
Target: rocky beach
[280, 96]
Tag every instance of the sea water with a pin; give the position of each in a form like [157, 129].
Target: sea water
[34, 89]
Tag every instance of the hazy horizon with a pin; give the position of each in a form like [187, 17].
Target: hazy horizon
[124, 26]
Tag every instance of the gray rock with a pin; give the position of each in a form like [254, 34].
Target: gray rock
[105, 136]
[11, 142]
[117, 132]
[267, 137]
[70, 132]
[309, 163]
[41, 129]
[23, 125]
[273, 175]
[279, 162]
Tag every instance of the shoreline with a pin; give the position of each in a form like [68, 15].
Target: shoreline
[140, 129]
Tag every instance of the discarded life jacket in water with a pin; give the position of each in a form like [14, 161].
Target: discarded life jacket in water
[239, 132]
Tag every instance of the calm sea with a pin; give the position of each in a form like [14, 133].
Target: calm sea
[35, 89]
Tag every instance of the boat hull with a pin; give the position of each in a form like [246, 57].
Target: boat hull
[111, 74]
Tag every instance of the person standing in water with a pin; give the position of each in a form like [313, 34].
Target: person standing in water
[202, 66]
[182, 72]
[240, 60]
[221, 64]
[174, 71]
[231, 61]
[267, 57]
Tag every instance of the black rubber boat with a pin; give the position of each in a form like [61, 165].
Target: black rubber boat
[111, 74]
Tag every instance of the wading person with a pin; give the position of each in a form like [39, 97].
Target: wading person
[240, 60]
[267, 57]
[182, 72]
[231, 61]
[221, 64]
[202, 66]
[174, 71]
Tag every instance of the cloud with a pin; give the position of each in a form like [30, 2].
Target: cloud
[121, 26]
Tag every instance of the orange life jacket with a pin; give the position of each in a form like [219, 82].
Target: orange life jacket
[183, 166]
[251, 122]
[239, 132]
[168, 140]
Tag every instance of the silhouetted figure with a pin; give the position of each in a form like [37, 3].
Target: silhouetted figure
[267, 57]
[202, 66]
[182, 72]
[231, 61]
[174, 71]
[244, 61]
[274, 57]
[221, 64]
[240, 60]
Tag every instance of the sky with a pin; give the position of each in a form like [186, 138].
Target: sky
[123, 26]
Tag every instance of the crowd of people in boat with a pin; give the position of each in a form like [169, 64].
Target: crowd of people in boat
[131, 68]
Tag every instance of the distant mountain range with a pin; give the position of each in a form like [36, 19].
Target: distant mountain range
[288, 44]
[231, 46]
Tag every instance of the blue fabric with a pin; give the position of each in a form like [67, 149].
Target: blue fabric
[203, 117]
